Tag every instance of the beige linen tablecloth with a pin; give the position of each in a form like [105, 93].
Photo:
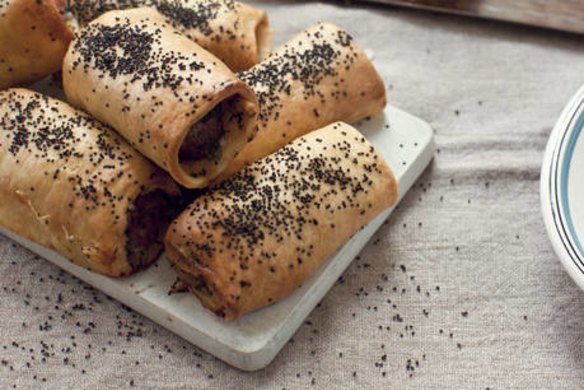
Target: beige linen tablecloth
[460, 289]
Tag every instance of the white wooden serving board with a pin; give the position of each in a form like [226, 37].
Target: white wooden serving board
[253, 341]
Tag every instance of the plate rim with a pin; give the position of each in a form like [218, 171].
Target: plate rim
[554, 187]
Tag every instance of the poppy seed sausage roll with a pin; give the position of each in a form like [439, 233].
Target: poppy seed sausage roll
[238, 34]
[171, 99]
[317, 78]
[73, 185]
[33, 40]
[258, 235]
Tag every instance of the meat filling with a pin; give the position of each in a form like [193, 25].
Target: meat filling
[203, 140]
[197, 284]
[147, 224]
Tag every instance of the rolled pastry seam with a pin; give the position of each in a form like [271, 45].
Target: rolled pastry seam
[73, 185]
[317, 78]
[33, 40]
[238, 34]
[171, 99]
[256, 237]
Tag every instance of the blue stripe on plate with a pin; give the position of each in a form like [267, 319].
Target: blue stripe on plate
[559, 181]
[565, 179]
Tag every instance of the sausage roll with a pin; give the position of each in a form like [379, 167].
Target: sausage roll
[317, 78]
[172, 100]
[257, 236]
[33, 40]
[238, 34]
[73, 185]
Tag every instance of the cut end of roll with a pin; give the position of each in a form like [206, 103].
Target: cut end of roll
[205, 138]
[148, 219]
[213, 141]
[196, 277]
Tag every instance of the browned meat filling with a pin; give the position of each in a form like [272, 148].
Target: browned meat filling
[147, 224]
[203, 140]
[201, 289]
[201, 286]
[198, 285]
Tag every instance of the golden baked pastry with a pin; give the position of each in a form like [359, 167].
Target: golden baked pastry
[171, 99]
[317, 78]
[256, 237]
[33, 40]
[238, 34]
[73, 185]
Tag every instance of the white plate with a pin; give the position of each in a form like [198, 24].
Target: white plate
[562, 187]
[253, 341]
